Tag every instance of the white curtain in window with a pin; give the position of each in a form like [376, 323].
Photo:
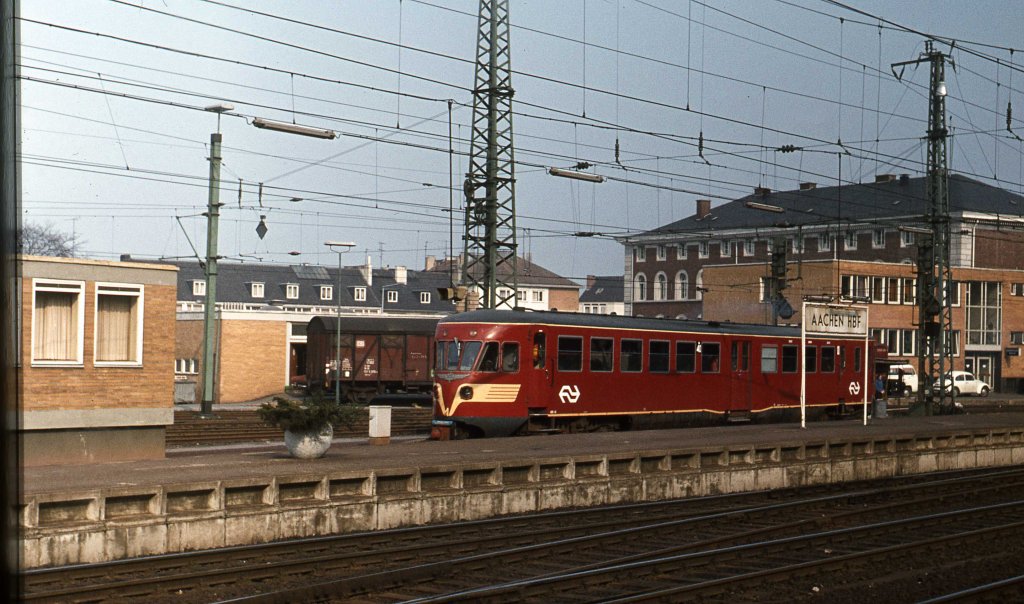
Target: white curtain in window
[56, 327]
[115, 328]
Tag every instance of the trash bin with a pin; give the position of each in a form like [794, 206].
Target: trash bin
[881, 408]
[380, 424]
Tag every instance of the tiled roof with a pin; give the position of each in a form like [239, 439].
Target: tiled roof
[605, 289]
[531, 274]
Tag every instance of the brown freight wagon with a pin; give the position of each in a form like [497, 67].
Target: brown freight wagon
[388, 358]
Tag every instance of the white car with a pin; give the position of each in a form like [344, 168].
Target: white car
[965, 383]
[909, 375]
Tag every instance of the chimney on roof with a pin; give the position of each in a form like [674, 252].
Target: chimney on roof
[703, 208]
[885, 178]
[401, 275]
[591, 280]
[367, 271]
[762, 191]
[430, 263]
[807, 186]
[904, 179]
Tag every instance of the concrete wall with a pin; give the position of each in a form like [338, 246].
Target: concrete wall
[90, 526]
[68, 405]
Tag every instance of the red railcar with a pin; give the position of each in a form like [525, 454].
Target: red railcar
[500, 373]
[378, 355]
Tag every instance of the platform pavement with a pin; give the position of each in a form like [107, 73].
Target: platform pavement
[211, 464]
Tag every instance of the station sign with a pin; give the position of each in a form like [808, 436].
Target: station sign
[827, 319]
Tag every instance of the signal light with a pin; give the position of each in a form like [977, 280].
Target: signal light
[455, 294]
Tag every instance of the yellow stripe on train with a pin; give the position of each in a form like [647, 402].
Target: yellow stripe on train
[480, 393]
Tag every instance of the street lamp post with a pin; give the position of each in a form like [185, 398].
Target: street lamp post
[210, 268]
[340, 247]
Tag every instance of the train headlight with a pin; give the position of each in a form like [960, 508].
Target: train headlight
[466, 393]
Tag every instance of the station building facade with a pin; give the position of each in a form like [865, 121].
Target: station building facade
[97, 344]
[845, 243]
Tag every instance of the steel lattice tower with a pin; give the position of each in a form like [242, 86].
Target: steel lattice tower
[489, 261]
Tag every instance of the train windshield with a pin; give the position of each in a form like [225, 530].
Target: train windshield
[457, 355]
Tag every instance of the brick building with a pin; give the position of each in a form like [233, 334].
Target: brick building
[97, 345]
[844, 242]
[262, 313]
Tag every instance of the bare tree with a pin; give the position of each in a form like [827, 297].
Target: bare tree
[46, 240]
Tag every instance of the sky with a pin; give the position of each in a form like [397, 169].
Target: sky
[115, 138]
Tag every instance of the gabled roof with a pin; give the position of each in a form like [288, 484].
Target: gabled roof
[899, 201]
[605, 289]
[531, 274]
[234, 279]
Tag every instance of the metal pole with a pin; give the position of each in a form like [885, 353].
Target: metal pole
[209, 317]
[337, 339]
[867, 333]
[803, 366]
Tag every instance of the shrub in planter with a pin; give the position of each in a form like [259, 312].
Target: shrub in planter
[308, 425]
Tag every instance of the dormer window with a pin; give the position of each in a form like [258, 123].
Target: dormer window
[291, 291]
[199, 287]
[424, 297]
[256, 290]
[392, 296]
[326, 292]
[359, 294]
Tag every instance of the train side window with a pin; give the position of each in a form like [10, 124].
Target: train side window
[452, 355]
[631, 356]
[790, 359]
[686, 357]
[602, 354]
[810, 359]
[439, 348]
[769, 359]
[828, 359]
[510, 357]
[489, 358]
[856, 359]
[470, 350]
[658, 361]
[570, 353]
[709, 357]
[539, 346]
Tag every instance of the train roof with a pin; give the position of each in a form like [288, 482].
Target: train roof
[374, 324]
[619, 322]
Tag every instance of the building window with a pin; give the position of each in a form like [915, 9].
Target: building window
[1017, 337]
[909, 290]
[703, 249]
[682, 286]
[892, 290]
[660, 287]
[326, 292]
[724, 249]
[906, 239]
[748, 247]
[641, 253]
[359, 294]
[850, 241]
[681, 252]
[57, 321]
[199, 287]
[984, 317]
[186, 366]
[256, 289]
[392, 296]
[640, 287]
[118, 323]
[878, 238]
[798, 245]
[424, 297]
[824, 242]
[699, 285]
[291, 291]
[538, 295]
[878, 289]
[662, 253]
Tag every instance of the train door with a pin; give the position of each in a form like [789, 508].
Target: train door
[417, 362]
[392, 353]
[740, 380]
[366, 357]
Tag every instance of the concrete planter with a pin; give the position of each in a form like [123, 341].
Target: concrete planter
[309, 444]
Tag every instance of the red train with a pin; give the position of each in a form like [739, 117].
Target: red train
[380, 357]
[498, 373]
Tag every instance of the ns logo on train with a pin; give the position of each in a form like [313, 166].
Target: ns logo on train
[569, 394]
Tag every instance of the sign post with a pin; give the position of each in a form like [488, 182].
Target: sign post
[831, 320]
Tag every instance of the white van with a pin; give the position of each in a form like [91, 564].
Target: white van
[909, 375]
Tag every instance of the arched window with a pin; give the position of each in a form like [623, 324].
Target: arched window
[660, 287]
[682, 286]
[699, 284]
[640, 287]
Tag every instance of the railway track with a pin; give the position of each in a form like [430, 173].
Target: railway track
[733, 548]
[245, 425]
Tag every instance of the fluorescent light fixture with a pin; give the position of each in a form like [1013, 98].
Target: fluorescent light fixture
[259, 122]
[339, 244]
[576, 175]
[764, 207]
[220, 107]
